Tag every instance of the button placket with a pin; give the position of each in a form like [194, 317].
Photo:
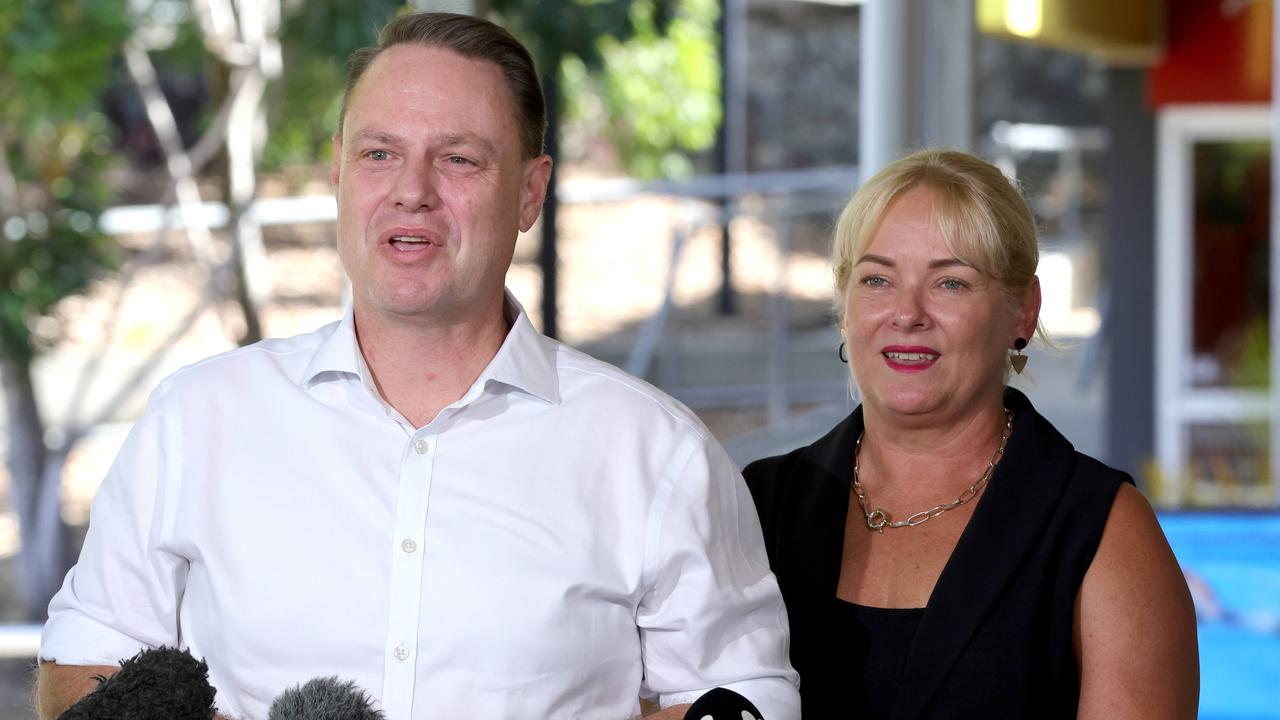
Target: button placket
[415, 480]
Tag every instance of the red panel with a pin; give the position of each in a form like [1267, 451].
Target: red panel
[1219, 51]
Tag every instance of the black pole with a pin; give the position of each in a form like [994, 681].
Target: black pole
[547, 252]
[727, 300]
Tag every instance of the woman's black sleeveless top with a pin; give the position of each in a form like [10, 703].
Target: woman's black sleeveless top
[995, 639]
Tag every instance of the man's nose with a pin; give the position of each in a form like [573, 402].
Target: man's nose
[416, 187]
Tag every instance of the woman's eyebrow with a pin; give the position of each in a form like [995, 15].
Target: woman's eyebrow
[933, 264]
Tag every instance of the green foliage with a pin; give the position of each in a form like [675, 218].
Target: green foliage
[661, 91]
[556, 29]
[644, 73]
[304, 110]
[317, 38]
[55, 57]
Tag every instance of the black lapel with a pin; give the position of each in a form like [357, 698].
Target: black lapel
[1003, 530]
[818, 510]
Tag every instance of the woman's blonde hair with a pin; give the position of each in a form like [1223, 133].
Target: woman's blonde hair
[984, 220]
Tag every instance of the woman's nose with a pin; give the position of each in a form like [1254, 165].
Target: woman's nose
[908, 311]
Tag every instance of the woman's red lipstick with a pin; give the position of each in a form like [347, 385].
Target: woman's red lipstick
[909, 358]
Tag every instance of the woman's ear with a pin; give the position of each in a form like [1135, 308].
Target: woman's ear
[1029, 313]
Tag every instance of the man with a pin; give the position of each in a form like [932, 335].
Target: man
[428, 497]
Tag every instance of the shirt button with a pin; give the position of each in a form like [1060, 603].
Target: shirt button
[421, 446]
[408, 545]
[402, 652]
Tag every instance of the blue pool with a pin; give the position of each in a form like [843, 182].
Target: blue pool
[1232, 562]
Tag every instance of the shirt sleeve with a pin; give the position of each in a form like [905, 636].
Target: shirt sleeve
[713, 615]
[122, 595]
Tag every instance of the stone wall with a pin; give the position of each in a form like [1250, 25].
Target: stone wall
[803, 84]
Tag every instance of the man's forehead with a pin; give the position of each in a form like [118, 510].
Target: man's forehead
[430, 74]
[412, 65]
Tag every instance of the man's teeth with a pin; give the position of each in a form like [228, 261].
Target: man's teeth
[911, 357]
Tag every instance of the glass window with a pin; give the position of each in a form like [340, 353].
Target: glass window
[1229, 465]
[1230, 264]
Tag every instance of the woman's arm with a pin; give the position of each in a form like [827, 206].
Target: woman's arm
[1135, 625]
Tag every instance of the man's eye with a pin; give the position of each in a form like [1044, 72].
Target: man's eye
[458, 160]
[378, 155]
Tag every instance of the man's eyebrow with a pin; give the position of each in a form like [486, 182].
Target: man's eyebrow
[933, 264]
[383, 137]
[471, 139]
[378, 136]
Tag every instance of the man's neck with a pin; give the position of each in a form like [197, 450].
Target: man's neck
[420, 366]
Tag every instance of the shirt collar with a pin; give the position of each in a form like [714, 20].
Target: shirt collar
[526, 360]
[339, 353]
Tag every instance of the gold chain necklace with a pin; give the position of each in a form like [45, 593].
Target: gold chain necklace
[878, 519]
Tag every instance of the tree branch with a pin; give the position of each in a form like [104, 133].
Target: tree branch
[177, 161]
[221, 33]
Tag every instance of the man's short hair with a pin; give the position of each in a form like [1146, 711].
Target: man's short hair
[472, 38]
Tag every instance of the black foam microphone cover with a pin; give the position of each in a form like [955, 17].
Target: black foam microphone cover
[722, 704]
[326, 698]
[161, 684]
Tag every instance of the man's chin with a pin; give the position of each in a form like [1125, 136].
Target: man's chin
[435, 308]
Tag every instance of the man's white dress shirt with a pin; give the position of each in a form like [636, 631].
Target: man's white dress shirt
[557, 541]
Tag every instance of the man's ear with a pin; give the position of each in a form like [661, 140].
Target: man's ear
[336, 170]
[537, 174]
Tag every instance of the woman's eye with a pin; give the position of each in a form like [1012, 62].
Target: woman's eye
[953, 284]
[874, 281]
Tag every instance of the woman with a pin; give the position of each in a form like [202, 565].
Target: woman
[944, 551]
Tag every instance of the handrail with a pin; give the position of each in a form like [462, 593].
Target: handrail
[123, 219]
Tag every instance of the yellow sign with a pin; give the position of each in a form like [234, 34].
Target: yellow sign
[1128, 31]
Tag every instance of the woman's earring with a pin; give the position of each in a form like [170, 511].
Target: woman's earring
[840, 353]
[1018, 361]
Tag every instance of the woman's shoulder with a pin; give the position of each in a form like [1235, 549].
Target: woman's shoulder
[1087, 466]
[769, 479]
[824, 457]
[799, 483]
[768, 470]
[1038, 445]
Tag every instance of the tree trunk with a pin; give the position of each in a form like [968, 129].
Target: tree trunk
[252, 275]
[35, 474]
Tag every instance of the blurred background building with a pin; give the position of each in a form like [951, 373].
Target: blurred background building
[164, 196]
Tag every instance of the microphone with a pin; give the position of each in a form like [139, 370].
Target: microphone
[722, 704]
[161, 684]
[326, 698]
